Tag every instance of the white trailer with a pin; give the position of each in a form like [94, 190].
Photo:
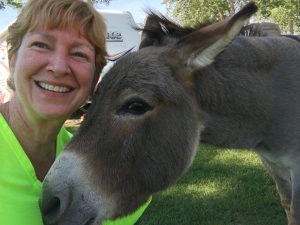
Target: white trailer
[121, 37]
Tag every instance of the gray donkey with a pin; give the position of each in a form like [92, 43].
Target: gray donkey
[149, 112]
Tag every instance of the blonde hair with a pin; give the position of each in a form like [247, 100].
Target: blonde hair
[60, 14]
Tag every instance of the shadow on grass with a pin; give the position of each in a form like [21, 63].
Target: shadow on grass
[223, 187]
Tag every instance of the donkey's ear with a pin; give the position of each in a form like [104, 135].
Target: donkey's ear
[200, 48]
[153, 32]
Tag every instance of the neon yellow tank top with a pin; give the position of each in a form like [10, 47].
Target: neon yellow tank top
[19, 187]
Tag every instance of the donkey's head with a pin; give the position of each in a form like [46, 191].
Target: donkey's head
[142, 130]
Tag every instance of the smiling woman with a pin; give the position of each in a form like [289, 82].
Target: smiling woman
[57, 67]
[56, 51]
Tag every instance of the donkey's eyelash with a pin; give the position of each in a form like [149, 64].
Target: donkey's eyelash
[135, 106]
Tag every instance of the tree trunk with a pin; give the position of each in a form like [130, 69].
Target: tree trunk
[291, 26]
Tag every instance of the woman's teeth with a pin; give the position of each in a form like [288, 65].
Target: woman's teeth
[54, 88]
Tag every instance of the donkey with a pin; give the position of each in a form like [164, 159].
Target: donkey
[151, 109]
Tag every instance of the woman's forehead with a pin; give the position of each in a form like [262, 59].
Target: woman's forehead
[50, 33]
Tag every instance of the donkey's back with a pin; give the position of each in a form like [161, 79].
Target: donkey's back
[255, 103]
[256, 85]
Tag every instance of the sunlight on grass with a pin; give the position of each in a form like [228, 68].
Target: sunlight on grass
[204, 189]
[223, 187]
[238, 157]
[197, 190]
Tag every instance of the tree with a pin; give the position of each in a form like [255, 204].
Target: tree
[286, 13]
[12, 3]
[19, 3]
[190, 12]
[283, 12]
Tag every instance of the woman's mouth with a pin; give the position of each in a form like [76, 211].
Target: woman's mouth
[54, 88]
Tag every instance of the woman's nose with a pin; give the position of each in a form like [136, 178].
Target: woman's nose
[58, 64]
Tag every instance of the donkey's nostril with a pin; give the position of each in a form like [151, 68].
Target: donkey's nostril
[53, 206]
[51, 210]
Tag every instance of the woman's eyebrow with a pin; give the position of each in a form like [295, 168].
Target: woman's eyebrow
[81, 44]
[43, 34]
[75, 44]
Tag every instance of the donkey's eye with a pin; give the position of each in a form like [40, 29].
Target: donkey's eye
[135, 107]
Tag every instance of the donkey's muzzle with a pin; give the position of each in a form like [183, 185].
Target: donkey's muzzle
[66, 198]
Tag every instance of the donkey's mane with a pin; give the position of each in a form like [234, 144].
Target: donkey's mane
[157, 25]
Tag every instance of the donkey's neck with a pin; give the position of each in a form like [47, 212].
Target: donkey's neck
[238, 93]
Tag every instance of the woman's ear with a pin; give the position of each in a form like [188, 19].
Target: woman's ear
[10, 79]
[11, 63]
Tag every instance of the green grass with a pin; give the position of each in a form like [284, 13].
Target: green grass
[223, 187]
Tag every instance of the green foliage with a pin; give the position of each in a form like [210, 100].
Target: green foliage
[190, 12]
[282, 17]
[286, 13]
[12, 3]
[223, 187]
[283, 12]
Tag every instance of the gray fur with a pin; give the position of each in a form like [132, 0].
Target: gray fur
[154, 106]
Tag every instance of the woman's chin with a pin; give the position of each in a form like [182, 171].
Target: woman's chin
[54, 113]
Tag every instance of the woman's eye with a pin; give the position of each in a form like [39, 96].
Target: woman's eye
[38, 44]
[80, 55]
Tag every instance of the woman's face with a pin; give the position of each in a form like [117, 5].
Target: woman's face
[53, 72]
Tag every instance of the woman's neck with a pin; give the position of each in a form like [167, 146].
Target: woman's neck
[36, 136]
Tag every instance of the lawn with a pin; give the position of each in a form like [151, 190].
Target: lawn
[223, 187]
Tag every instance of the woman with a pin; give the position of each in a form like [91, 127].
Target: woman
[56, 51]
